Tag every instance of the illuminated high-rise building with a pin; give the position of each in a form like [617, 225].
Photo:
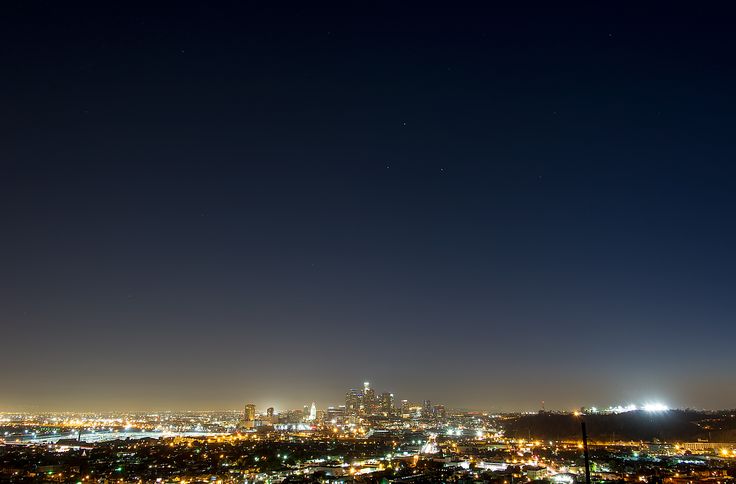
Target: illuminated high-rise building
[439, 411]
[291, 416]
[369, 400]
[249, 415]
[415, 410]
[386, 404]
[354, 402]
[335, 414]
[312, 413]
[405, 413]
[426, 408]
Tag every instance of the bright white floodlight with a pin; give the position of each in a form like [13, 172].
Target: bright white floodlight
[655, 407]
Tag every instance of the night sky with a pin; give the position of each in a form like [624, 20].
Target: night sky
[209, 203]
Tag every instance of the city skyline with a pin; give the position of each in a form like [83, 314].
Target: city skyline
[381, 400]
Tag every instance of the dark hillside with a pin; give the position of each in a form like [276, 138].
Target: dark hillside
[674, 425]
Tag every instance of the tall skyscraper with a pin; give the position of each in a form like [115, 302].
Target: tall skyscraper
[439, 411]
[369, 399]
[249, 415]
[312, 412]
[427, 408]
[386, 404]
[353, 402]
[405, 409]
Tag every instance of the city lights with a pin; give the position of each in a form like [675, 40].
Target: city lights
[372, 433]
[655, 407]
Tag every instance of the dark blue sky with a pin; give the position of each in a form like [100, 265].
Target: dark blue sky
[203, 205]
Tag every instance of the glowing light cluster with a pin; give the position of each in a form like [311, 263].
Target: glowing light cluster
[622, 409]
[655, 407]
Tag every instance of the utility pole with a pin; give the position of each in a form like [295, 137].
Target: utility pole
[585, 453]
